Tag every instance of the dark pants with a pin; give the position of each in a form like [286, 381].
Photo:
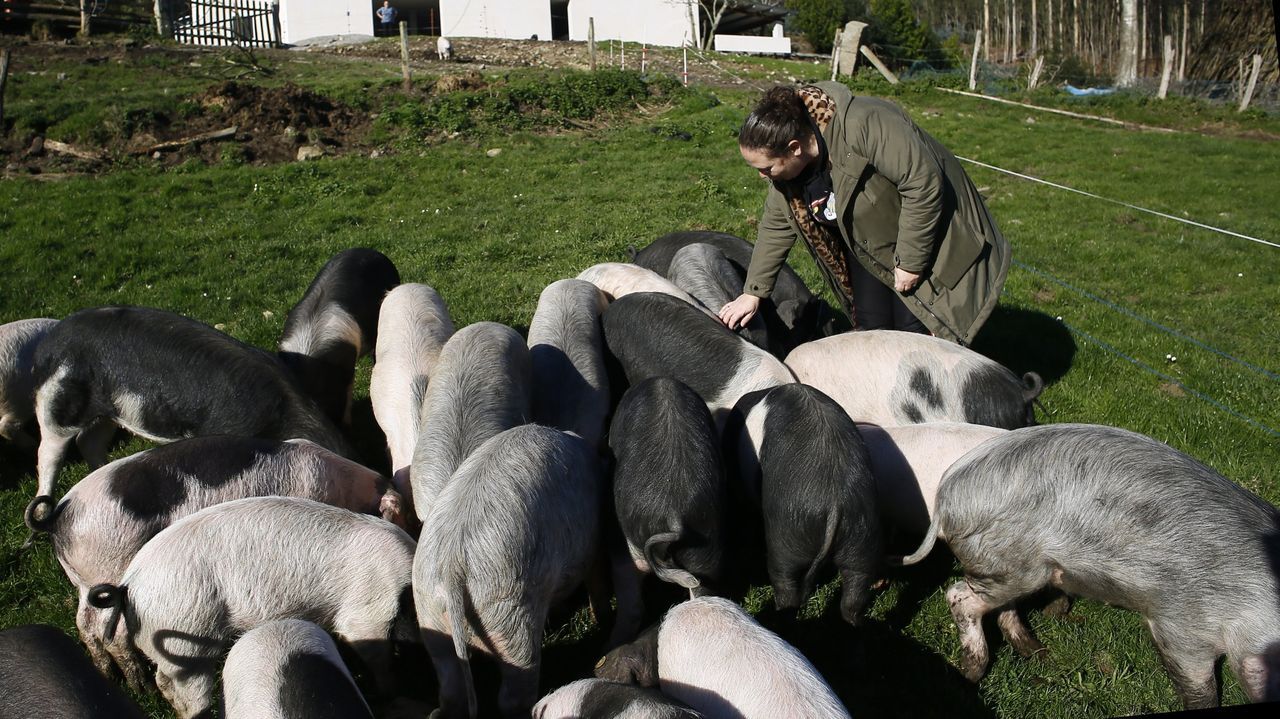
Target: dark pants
[879, 307]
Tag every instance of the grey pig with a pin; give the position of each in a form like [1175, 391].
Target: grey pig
[566, 345]
[18, 342]
[514, 531]
[1112, 515]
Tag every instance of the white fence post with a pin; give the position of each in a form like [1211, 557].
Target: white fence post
[1253, 82]
[973, 64]
[1168, 67]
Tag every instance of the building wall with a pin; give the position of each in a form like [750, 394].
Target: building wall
[656, 22]
[301, 19]
[514, 19]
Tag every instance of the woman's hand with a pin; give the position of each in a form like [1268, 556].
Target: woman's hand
[740, 311]
[903, 281]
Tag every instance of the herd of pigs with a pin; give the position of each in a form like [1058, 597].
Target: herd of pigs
[630, 435]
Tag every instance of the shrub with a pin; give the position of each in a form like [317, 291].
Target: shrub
[895, 26]
[818, 21]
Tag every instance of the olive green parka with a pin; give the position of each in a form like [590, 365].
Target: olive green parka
[903, 200]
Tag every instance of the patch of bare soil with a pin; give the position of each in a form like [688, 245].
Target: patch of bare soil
[273, 122]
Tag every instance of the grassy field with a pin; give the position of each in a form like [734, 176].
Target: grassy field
[1101, 300]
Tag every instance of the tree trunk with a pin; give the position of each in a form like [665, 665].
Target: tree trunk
[1127, 69]
[1143, 25]
[1182, 52]
[1235, 30]
[986, 25]
[1035, 28]
[1015, 31]
[1075, 27]
[1048, 26]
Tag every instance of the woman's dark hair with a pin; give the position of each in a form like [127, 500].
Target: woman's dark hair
[777, 119]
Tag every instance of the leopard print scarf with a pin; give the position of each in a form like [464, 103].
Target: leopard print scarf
[825, 243]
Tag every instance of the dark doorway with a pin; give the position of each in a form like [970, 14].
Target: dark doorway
[559, 19]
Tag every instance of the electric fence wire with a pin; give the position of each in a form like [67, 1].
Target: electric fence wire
[1173, 380]
[1133, 315]
[1148, 321]
[1157, 213]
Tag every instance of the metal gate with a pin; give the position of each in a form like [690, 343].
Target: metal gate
[247, 23]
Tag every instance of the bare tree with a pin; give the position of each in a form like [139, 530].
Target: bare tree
[1127, 72]
[986, 26]
[713, 10]
[1035, 29]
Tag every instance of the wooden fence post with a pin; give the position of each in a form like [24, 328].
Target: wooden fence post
[1167, 69]
[1253, 82]
[275, 23]
[973, 64]
[888, 75]
[591, 41]
[835, 54]
[84, 18]
[404, 55]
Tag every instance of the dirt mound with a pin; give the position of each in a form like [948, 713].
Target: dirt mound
[272, 122]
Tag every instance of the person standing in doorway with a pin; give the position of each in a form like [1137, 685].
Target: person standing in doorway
[896, 226]
[387, 15]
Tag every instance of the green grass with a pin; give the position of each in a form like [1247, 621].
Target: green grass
[235, 246]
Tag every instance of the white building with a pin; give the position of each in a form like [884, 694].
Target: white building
[655, 22]
[301, 19]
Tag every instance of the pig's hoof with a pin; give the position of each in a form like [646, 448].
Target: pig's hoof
[972, 668]
[1059, 607]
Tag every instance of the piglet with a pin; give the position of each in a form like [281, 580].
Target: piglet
[812, 474]
[479, 388]
[44, 675]
[513, 532]
[164, 377]
[602, 699]
[668, 493]
[215, 574]
[654, 335]
[414, 326]
[289, 669]
[791, 313]
[566, 346]
[336, 323]
[711, 655]
[18, 342]
[99, 526]
[617, 280]
[908, 462]
[1109, 514]
[704, 272]
[887, 377]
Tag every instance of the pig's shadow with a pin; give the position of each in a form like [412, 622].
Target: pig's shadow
[1027, 341]
[15, 465]
[880, 671]
[367, 438]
